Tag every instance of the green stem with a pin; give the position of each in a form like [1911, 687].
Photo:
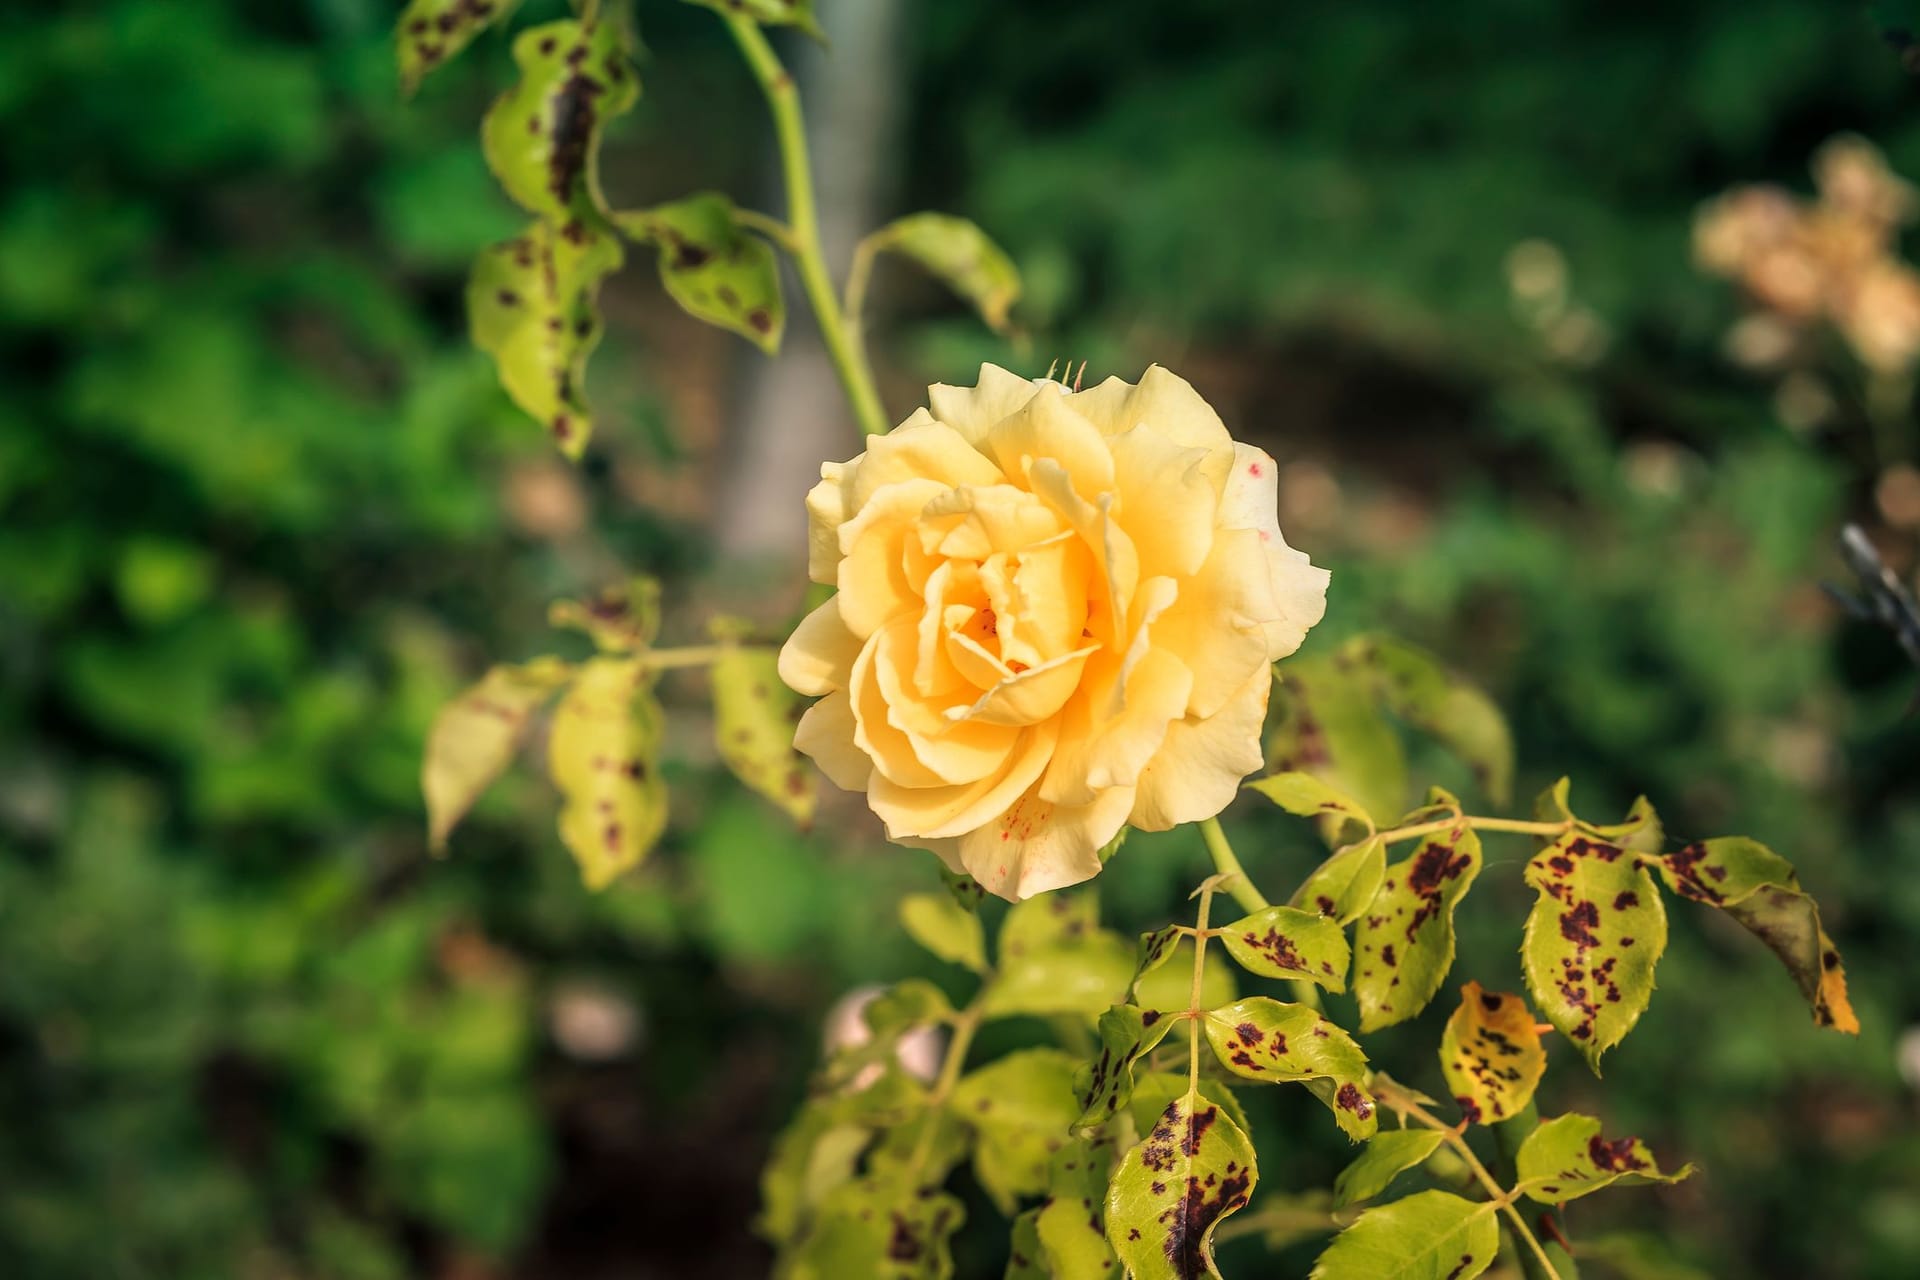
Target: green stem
[803, 223]
[1394, 835]
[1508, 1134]
[1249, 897]
[965, 1023]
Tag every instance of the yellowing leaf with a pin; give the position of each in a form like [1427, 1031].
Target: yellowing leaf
[879, 1227]
[604, 756]
[1403, 945]
[1758, 888]
[1328, 722]
[621, 620]
[1345, 884]
[1306, 796]
[431, 32]
[1434, 1235]
[474, 737]
[1387, 1155]
[944, 927]
[1019, 1107]
[1491, 1054]
[1566, 1158]
[1193, 1169]
[1128, 1033]
[1592, 940]
[959, 255]
[1072, 1223]
[542, 137]
[1055, 959]
[713, 269]
[1419, 690]
[1273, 1042]
[1286, 942]
[753, 718]
[531, 305]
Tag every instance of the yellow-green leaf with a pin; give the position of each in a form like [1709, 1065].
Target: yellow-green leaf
[1193, 1169]
[542, 137]
[1345, 884]
[430, 32]
[1403, 945]
[815, 1153]
[1128, 1033]
[713, 269]
[1421, 691]
[1592, 940]
[1434, 1235]
[1307, 796]
[944, 927]
[1156, 949]
[474, 737]
[531, 305]
[1287, 942]
[1566, 1158]
[1072, 1224]
[1019, 1108]
[604, 756]
[753, 718]
[1170, 986]
[1387, 1155]
[1328, 722]
[1272, 1042]
[878, 1227]
[1491, 1054]
[959, 255]
[622, 619]
[1759, 889]
[1055, 959]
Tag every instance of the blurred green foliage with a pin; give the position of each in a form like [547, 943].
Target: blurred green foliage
[252, 535]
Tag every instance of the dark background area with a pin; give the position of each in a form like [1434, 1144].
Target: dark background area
[262, 509]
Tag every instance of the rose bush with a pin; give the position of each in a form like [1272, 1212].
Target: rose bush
[1055, 616]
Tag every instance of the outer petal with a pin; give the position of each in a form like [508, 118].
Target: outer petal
[1169, 405]
[825, 733]
[1035, 846]
[972, 411]
[1167, 503]
[919, 449]
[1251, 501]
[1198, 770]
[935, 811]
[1218, 625]
[1047, 428]
[818, 657]
[829, 505]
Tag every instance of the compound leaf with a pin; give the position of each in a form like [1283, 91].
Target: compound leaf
[1345, 884]
[1328, 722]
[1128, 1033]
[1019, 1107]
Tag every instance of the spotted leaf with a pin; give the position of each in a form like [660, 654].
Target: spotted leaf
[1328, 722]
[1270, 1041]
[1306, 796]
[1048, 920]
[1128, 1033]
[1194, 1168]
[1491, 1054]
[1566, 1158]
[1345, 884]
[1403, 945]
[1592, 940]
[1153, 1090]
[817, 1152]
[1387, 1155]
[770, 13]
[944, 927]
[1024, 1259]
[542, 137]
[531, 302]
[1434, 1235]
[1156, 949]
[1055, 959]
[1286, 942]
[713, 269]
[959, 255]
[1019, 1108]
[603, 754]
[1758, 888]
[1072, 1222]
[879, 1227]
[1418, 689]
[621, 619]
[430, 32]
[1641, 832]
[965, 890]
[753, 718]
[474, 738]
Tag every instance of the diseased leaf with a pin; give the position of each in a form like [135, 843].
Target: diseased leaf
[1266, 1040]
[1403, 945]
[1127, 1034]
[604, 756]
[1418, 689]
[531, 305]
[1566, 1158]
[1387, 1155]
[1055, 959]
[1434, 1235]
[1170, 986]
[1048, 920]
[1019, 1108]
[542, 137]
[966, 891]
[1328, 722]
[815, 1153]
[770, 13]
[944, 927]
[1286, 942]
[1153, 1090]
[1759, 889]
[921, 1147]
[753, 718]
[1306, 796]
[882, 1228]
[1592, 940]
[1024, 1259]
[1072, 1223]
[1156, 949]
[714, 270]
[620, 620]
[959, 255]
[911, 1003]
[430, 32]
[1491, 1054]
[1193, 1169]
[474, 737]
[1345, 884]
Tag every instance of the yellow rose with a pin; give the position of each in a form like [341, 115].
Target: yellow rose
[1055, 616]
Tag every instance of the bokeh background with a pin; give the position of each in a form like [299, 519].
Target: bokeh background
[262, 509]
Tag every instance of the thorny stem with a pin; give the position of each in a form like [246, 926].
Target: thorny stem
[1391, 1096]
[1249, 897]
[803, 223]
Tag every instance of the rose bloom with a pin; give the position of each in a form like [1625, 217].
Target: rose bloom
[1055, 617]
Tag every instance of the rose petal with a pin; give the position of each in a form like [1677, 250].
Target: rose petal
[973, 411]
[1198, 769]
[1035, 846]
[818, 657]
[825, 733]
[954, 810]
